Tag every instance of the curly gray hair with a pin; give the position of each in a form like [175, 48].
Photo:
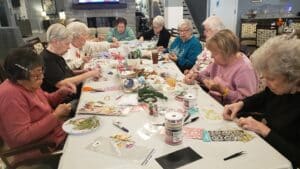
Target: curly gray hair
[214, 23]
[57, 31]
[77, 29]
[187, 23]
[279, 56]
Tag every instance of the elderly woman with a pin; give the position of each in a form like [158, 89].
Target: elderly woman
[230, 77]
[278, 61]
[159, 32]
[79, 50]
[212, 25]
[121, 32]
[57, 71]
[27, 113]
[74, 58]
[186, 46]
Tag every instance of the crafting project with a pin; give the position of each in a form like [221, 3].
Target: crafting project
[81, 124]
[211, 114]
[229, 135]
[100, 108]
[192, 133]
[120, 145]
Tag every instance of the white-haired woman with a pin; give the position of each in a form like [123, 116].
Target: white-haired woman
[278, 61]
[186, 47]
[81, 49]
[212, 25]
[57, 72]
[159, 32]
[74, 57]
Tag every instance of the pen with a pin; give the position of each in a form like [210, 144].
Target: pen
[234, 155]
[185, 121]
[192, 120]
[148, 157]
[117, 124]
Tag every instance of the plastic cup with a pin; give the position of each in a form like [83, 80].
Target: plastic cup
[154, 56]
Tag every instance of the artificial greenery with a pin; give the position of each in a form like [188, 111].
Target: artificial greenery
[149, 94]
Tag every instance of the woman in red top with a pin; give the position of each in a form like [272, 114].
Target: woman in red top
[27, 113]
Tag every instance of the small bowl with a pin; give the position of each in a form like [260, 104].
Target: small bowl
[130, 85]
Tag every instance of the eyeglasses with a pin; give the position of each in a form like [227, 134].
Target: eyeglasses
[37, 73]
[183, 30]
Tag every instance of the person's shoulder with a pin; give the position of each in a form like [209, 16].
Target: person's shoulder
[245, 62]
[9, 90]
[128, 29]
[195, 40]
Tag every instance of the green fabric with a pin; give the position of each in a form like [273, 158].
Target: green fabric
[127, 35]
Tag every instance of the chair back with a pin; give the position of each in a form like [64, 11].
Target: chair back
[35, 44]
[2, 76]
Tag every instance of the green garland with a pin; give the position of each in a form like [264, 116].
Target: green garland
[148, 94]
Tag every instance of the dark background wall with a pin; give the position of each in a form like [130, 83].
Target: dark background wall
[198, 10]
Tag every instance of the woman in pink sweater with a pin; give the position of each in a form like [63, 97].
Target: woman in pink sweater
[27, 113]
[231, 76]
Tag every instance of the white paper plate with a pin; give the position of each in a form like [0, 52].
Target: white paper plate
[73, 126]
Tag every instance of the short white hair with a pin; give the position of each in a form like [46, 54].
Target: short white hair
[186, 22]
[279, 55]
[57, 31]
[159, 21]
[77, 29]
[214, 23]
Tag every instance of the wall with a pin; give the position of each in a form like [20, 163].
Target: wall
[128, 13]
[173, 13]
[271, 6]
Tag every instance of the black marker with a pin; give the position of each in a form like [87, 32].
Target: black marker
[234, 155]
[117, 124]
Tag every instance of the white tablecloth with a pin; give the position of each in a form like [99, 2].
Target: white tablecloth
[259, 154]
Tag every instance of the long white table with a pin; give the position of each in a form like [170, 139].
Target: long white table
[259, 154]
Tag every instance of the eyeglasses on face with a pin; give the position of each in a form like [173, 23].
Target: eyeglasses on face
[183, 30]
[37, 73]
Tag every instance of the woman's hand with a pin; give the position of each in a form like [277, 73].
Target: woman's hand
[173, 56]
[95, 73]
[114, 45]
[67, 89]
[114, 39]
[160, 49]
[250, 123]
[62, 110]
[190, 78]
[230, 111]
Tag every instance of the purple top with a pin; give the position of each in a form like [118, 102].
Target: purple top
[239, 77]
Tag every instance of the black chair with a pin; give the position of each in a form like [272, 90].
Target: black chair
[174, 32]
[2, 74]
[35, 44]
[47, 158]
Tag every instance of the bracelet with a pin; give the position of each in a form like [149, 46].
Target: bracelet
[225, 92]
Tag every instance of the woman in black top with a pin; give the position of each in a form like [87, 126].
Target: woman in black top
[158, 32]
[278, 60]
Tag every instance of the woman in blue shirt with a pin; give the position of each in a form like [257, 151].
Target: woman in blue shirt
[186, 47]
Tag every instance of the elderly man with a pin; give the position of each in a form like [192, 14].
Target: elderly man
[186, 46]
